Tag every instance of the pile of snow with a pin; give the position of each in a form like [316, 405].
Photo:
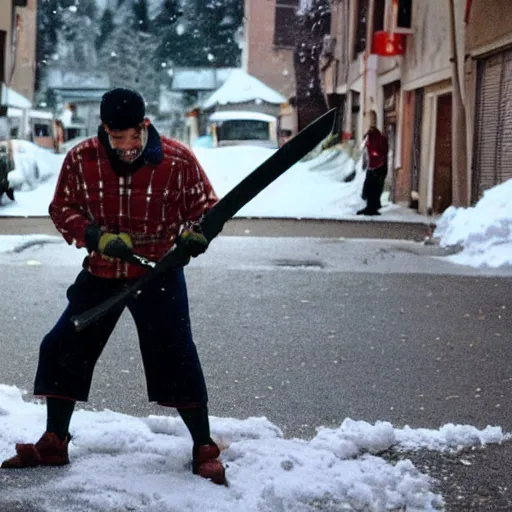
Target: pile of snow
[483, 232]
[315, 189]
[120, 461]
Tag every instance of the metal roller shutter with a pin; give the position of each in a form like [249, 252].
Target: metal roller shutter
[493, 130]
[505, 129]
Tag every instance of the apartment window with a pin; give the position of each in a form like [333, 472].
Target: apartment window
[404, 14]
[361, 24]
[41, 130]
[3, 35]
[379, 10]
[286, 17]
[401, 16]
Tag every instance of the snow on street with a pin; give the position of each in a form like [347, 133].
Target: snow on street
[119, 461]
[313, 189]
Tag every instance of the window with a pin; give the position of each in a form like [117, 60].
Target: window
[402, 16]
[41, 130]
[243, 130]
[363, 9]
[379, 10]
[2, 55]
[286, 16]
[361, 24]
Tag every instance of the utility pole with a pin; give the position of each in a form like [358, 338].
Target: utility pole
[460, 181]
[366, 57]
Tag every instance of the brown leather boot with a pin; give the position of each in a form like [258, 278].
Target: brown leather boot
[48, 451]
[207, 464]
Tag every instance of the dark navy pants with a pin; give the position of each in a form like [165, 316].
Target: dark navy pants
[173, 372]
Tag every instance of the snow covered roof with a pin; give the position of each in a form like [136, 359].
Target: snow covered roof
[241, 87]
[13, 99]
[230, 115]
[198, 79]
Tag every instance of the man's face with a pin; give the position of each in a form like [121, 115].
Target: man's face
[128, 144]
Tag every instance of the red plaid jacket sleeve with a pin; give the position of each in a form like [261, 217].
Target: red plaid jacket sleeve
[199, 195]
[67, 207]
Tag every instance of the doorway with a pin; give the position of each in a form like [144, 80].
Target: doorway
[442, 182]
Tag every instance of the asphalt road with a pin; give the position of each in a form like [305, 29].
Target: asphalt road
[306, 332]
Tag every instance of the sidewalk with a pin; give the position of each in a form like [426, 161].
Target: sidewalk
[389, 227]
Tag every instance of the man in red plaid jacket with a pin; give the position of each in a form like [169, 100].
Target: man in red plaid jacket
[126, 189]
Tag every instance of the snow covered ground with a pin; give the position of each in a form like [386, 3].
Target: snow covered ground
[313, 189]
[484, 232]
[121, 462]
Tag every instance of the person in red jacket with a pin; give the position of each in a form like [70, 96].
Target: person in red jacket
[376, 147]
[128, 188]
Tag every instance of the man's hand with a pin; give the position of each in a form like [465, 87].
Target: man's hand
[109, 245]
[118, 246]
[193, 242]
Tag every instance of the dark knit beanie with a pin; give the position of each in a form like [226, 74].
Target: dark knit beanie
[121, 109]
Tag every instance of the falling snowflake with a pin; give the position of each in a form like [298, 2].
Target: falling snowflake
[305, 6]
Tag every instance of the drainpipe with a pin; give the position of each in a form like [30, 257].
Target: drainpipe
[10, 75]
[346, 21]
[459, 134]
[366, 56]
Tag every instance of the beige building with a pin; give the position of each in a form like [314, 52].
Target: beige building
[394, 57]
[268, 48]
[18, 46]
[363, 67]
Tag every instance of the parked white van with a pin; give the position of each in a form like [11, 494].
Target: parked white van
[235, 128]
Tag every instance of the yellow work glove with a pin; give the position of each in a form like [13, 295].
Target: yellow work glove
[193, 242]
[115, 246]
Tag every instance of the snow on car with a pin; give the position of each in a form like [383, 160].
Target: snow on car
[29, 164]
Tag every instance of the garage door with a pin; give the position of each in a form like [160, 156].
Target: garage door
[493, 123]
